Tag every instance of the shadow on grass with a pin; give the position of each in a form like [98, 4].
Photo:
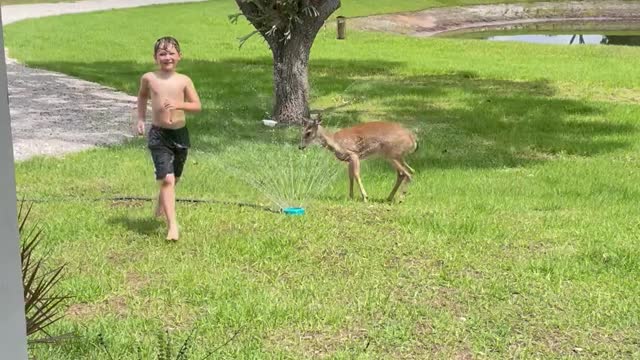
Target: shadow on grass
[142, 226]
[461, 120]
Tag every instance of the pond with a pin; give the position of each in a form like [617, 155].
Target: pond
[562, 33]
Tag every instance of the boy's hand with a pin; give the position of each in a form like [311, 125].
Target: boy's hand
[140, 127]
[169, 105]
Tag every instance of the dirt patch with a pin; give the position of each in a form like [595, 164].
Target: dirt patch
[114, 305]
[318, 344]
[436, 21]
[81, 311]
[136, 281]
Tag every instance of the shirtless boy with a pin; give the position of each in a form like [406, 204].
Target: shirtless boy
[172, 94]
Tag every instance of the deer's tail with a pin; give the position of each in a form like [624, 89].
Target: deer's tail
[416, 145]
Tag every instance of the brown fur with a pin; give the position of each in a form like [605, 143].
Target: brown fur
[388, 140]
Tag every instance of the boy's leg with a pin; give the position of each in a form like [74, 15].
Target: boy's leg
[168, 199]
[159, 207]
[168, 192]
[159, 212]
[163, 159]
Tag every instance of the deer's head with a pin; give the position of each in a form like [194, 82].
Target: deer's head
[309, 132]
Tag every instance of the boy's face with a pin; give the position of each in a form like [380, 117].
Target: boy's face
[167, 58]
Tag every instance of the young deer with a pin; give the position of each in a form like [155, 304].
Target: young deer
[388, 140]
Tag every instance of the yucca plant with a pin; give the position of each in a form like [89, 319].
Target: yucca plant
[43, 304]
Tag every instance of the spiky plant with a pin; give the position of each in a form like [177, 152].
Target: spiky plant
[43, 304]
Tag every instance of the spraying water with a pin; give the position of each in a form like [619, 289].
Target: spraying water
[285, 175]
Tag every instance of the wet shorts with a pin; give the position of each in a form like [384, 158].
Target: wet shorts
[169, 148]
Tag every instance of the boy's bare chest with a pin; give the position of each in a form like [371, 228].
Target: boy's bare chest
[168, 87]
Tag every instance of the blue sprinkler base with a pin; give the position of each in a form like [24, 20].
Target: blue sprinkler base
[293, 211]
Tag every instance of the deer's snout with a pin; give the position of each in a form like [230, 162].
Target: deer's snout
[302, 146]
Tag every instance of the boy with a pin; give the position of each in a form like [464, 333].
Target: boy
[172, 94]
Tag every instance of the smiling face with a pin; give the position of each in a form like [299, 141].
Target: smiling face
[167, 58]
[167, 53]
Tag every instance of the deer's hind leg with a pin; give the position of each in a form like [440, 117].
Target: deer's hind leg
[399, 181]
[406, 166]
[351, 176]
[404, 177]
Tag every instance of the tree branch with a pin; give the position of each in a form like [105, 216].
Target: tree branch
[277, 20]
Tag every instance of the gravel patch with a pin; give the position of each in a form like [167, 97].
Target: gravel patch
[53, 114]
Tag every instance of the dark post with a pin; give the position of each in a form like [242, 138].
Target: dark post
[342, 27]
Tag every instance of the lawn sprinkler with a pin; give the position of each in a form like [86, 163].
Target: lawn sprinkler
[269, 123]
[293, 211]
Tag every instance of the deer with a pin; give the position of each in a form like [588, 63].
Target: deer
[388, 140]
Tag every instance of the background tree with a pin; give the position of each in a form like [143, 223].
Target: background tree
[621, 40]
[289, 28]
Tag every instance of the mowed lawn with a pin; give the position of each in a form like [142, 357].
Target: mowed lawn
[517, 238]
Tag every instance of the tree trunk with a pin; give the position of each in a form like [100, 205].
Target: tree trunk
[291, 58]
[290, 80]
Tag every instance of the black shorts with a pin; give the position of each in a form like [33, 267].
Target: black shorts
[169, 148]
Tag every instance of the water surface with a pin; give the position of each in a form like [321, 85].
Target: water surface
[558, 33]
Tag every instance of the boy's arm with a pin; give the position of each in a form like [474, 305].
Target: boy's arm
[191, 99]
[143, 97]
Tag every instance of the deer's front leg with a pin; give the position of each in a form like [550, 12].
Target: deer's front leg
[354, 166]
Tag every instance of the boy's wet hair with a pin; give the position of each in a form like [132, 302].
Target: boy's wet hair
[165, 42]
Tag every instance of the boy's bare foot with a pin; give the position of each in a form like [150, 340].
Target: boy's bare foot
[172, 235]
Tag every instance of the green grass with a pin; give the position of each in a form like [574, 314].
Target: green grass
[517, 238]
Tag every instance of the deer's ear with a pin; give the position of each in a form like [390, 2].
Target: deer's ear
[307, 124]
[319, 119]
